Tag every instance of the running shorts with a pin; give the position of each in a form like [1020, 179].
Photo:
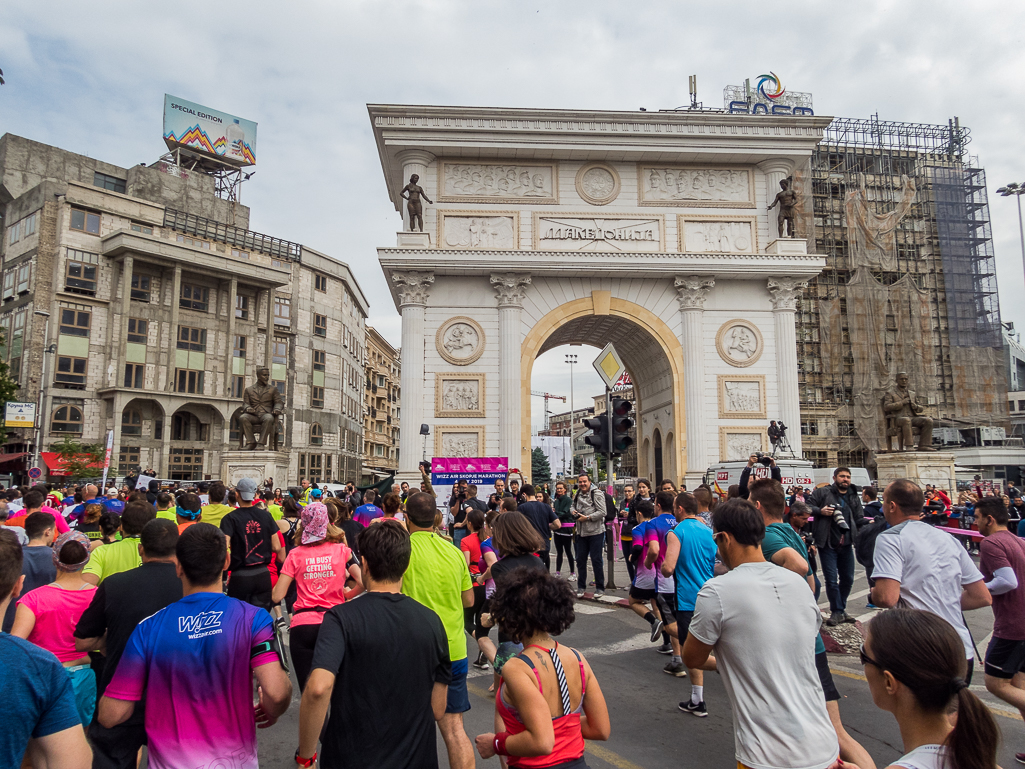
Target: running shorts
[1005, 658]
[642, 593]
[683, 619]
[458, 697]
[667, 605]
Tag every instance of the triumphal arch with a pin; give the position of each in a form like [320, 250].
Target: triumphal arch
[647, 229]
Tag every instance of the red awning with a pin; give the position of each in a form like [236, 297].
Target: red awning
[5, 458]
[55, 465]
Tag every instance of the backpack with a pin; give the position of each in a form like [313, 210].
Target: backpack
[865, 545]
[611, 512]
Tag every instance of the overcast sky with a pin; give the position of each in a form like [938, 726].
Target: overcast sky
[90, 77]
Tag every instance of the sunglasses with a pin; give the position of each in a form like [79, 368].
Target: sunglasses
[866, 660]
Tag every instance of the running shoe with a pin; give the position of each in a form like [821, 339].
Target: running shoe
[558, 574]
[481, 662]
[666, 648]
[599, 593]
[656, 630]
[580, 594]
[699, 710]
[572, 575]
[677, 669]
[871, 606]
[1020, 758]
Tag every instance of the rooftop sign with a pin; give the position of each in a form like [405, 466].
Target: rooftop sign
[767, 97]
[216, 134]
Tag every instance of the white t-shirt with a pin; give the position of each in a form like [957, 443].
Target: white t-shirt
[762, 621]
[931, 568]
[923, 757]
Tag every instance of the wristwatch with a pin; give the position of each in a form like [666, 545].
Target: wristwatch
[306, 762]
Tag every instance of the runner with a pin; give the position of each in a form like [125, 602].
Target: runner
[193, 665]
[549, 700]
[643, 590]
[690, 558]
[253, 543]
[368, 511]
[392, 509]
[489, 557]
[320, 567]
[391, 655]
[915, 667]
[47, 617]
[188, 510]
[37, 559]
[470, 547]
[214, 512]
[655, 534]
[123, 554]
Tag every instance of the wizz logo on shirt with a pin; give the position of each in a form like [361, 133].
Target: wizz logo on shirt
[204, 623]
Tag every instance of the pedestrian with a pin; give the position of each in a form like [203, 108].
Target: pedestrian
[320, 566]
[37, 566]
[42, 724]
[838, 516]
[120, 555]
[915, 670]
[924, 567]
[761, 622]
[117, 607]
[782, 546]
[368, 511]
[254, 543]
[47, 617]
[563, 536]
[589, 508]
[439, 579]
[543, 519]
[798, 518]
[382, 664]
[690, 558]
[193, 665]
[549, 700]
[470, 547]
[392, 509]
[627, 522]
[763, 462]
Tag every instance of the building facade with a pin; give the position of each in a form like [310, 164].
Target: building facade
[381, 410]
[150, 306]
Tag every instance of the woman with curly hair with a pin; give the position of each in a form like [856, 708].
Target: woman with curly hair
[548, 700]
[915, 665]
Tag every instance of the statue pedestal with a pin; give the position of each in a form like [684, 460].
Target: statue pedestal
[413, 240]
[787, 246]
[258, 465]
[922, 467]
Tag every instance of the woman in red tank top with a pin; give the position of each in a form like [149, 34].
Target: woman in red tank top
[549, 700]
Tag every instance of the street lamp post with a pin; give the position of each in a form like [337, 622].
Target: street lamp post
[42, 387]
[571, 359]
[1017, 190]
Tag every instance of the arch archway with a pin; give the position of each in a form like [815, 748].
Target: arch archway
[658, 459]
[651, 352]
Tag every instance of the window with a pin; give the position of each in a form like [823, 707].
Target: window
[135, 375]
[9, 277]
[188, 381]
[240, 346]
[145, 229]
[320, 282]
[80, 272]
[24, 278]
[128, 459]
[74, 322]
[194, 297]
[106, 182]
[327, 473]
[319, 360]
[22, 229]
[192, 339]
[380, 380]
[238, 386]
[315, 467]
[186, 464]
[317, 400]
[320, 325]
[280, 350]
[70, 373]
[85, 221]
[194, 242]
[282, 311]
[138, 330]
[1021, 405]
[302, 466]
[316, 435]
[242, 307]
[140, 288]
[66, 419]
[14, 369]
[810, 427]
[239, 254]
[275, 262]
[131, 422]
[280, 385]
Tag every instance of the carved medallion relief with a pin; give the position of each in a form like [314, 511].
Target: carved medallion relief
[597, 183]
[460, 340]
[739, 343]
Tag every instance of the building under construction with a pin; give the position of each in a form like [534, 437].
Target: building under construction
[900, 211]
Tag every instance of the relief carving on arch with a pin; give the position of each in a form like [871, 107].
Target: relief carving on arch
[460, 340]
[459, 395]
[739, 343]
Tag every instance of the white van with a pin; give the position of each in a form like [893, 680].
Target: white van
[795, 472]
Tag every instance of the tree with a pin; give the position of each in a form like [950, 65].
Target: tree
[540, 469]
[80, 460]
[8, 387]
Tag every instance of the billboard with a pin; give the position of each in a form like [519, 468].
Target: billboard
[19, 414]
[201, 129]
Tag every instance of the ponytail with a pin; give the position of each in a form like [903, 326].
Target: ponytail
[973, 742]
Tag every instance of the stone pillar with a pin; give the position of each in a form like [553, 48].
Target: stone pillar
[510, 287]
[415, 162]
[412, 289]
[691, 291]
[775, 170]
[230, 365]
[268, 354]
[127, 267]
[785, 292]
[176, 290]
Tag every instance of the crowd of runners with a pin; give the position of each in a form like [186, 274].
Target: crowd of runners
[159, 619]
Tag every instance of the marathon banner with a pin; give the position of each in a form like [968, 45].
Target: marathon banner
[480, 471]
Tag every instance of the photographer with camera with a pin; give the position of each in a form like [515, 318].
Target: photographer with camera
[764, 460]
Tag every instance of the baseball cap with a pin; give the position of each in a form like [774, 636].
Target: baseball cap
[246, 489]
[316, 494]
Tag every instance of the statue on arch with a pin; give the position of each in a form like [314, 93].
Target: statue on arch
[262, 406]
[787, 200]
[904, 414]
[412, 193]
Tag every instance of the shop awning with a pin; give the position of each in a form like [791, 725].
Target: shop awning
[55, 465]
[5, 458]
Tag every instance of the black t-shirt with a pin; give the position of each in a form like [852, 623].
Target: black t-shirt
[352, 530]
[506, 565]
[386, 651]
[540, 516]
[120, 603]
[249, 530]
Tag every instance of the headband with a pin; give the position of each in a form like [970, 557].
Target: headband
[188, 514]
[62, 540]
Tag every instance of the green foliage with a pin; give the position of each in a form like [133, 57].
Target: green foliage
[80, 460]
[540, 469]
[8, 387]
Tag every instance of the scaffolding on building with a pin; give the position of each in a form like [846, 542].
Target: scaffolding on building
[900, 212]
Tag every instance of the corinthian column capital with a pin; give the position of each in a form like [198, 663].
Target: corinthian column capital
[691, 291]
[785, 292]
[511, 287]
[412, 286]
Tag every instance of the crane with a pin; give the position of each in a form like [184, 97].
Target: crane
[548, 397]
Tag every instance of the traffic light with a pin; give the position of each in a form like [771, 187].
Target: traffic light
[599, 427]
[620, 428]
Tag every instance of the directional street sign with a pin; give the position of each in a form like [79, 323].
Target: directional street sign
[609, 365]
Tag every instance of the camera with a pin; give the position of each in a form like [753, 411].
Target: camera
[763, 459]
[782, 427]
[425, 466]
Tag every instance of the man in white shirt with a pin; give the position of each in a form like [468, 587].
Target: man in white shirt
[924, 567]
[761, 622]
